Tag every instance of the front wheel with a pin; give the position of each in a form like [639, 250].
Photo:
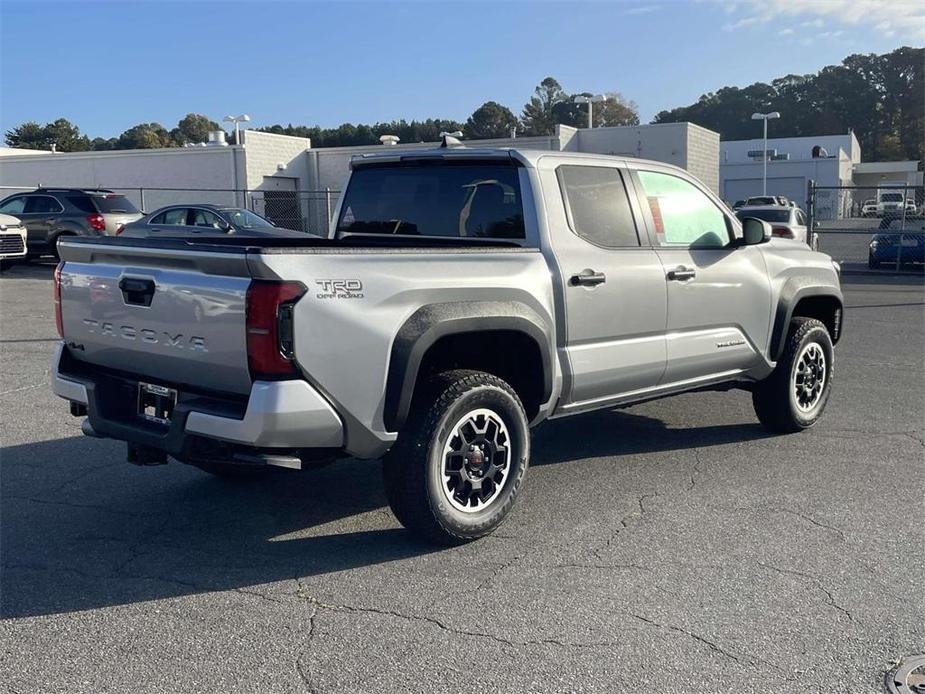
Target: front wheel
[794, 396]
[455, 471]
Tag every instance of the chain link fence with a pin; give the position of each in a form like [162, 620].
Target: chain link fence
[302, 210]
[879, 229]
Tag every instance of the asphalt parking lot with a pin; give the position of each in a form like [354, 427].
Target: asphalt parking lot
[668, 547]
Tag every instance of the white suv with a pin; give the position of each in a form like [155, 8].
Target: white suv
[12, 240]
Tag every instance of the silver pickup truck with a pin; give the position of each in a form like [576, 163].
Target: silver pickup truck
[462, 297]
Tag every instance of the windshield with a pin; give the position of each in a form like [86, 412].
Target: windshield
[456, 199]
[779, 216]
[107, 204]
[891, 197]
[245, 219]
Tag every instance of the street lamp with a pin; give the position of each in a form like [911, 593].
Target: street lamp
[590, 100]
[764, 155]
[237, 120]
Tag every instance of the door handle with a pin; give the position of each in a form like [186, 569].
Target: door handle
[681, 273]
[137, 291]
[587, 278]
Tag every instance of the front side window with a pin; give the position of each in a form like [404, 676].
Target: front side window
[13, 205]
[245, 219]
[598, 207]
[683, 216]
[42, 204]
[204, 218]
[465, 199]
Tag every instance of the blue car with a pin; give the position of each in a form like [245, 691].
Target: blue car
[902, 239]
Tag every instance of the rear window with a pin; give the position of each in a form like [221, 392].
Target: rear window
[780, 216]
[108, 204]
[761, 201]
[891, 197]
[470, 199]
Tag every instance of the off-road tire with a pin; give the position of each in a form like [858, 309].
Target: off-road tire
[775, 399]
[413, 470]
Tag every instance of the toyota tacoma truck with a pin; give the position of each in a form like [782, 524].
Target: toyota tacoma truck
[462, 296]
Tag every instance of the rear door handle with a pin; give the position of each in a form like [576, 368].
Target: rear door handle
[587, 278]
[681, 273]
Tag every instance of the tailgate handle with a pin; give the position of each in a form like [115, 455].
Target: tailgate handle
[137, 291]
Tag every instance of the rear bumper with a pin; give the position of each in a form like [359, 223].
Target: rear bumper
[276, 414]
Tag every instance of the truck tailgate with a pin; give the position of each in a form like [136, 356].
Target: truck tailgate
[174, 317]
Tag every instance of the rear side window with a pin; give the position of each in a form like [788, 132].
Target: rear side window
[114, 204]
[466, 199]
[597, 204]
[42, 204]
[682, 214]
[82, 203]
[176, 216]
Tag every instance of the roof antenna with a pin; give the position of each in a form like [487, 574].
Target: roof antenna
[451, 139]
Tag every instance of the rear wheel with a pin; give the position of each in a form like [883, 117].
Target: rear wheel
[794, 396]
[456, 470]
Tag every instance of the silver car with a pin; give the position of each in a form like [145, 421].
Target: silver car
[786, 222]
[204, 220]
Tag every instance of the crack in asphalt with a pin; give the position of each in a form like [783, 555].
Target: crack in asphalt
[695, 468]
[830, 599]
[624, 524]
[712, 645]
[799, 514]
[70, 504]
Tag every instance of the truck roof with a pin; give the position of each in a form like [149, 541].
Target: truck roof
[527, 157]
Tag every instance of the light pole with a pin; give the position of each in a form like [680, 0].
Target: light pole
[590, 100]
[237, 120]
[764, 152]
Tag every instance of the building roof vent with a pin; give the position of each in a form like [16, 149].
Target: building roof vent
[819, 152]
[389, 140]
[217, 139]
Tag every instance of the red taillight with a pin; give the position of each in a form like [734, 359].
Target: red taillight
[59, 324]
[782, 232]
[269, 328]
[96, 222]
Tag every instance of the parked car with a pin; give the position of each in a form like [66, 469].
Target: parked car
[52, 213]
[737, 204]
[12, 240]
[899, 239]
[203, 220]
[462, 296]
[911, 207]
[869, 208]
[890, 202]
[786, 222]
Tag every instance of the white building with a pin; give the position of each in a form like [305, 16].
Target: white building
[828, 160]
[285, 179]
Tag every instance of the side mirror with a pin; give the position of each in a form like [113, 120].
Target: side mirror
[755, 231]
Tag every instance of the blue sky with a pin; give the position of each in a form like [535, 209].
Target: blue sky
[108, 66]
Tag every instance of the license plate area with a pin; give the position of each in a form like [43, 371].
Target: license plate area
[156, 403]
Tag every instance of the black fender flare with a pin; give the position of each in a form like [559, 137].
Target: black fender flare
[793, 291]
[434, 321]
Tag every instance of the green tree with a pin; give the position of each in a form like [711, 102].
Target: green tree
[28, 135]
[489, 120]
[193, 128]
[880, 97]
[539, 112]
[145, 136]
[102, 144]
[614, 110]
[64, 135]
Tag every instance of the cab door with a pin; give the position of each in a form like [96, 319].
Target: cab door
[611, 283]
[719, 294]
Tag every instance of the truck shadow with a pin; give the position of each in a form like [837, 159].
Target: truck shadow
[81, 529]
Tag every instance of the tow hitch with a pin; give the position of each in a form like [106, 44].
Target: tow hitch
[145, 455]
